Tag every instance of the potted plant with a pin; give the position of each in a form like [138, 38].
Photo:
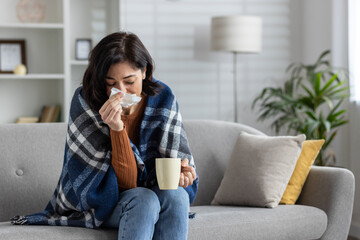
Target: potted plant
[309, 102]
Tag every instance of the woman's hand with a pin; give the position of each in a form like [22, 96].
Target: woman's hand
[187, 175]
[111, 112]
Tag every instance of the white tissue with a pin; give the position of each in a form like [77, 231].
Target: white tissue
[128, 99]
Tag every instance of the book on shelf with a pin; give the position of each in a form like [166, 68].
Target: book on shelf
[27, 120]
[50, 113]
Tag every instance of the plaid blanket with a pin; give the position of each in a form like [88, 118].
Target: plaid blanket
[87, 189]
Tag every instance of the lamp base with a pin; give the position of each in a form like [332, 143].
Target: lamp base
[235, 88]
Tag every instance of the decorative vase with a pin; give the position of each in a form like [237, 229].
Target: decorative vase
[30, 10]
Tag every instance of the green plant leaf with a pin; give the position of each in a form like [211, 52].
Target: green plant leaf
[327, 125]
[336, 107]
[328, 84]
[307, 101]
[333, 117]
[329, 140]
[288, 87]
[337, 77]
[292, 65]
[299, 105]
[317, 83]
[308, 91]
[328, 101]
[326, 63]
[312, 126]
[311, 115]
[340, 123]
[298, 81]
[337, 91]
[261, 96]
[323, 54]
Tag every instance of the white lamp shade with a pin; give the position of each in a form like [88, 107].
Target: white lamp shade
[236, 34]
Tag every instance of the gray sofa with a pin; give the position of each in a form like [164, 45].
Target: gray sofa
[31, 161]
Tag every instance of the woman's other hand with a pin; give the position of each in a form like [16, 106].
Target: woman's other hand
[111, 112]
[187, 175]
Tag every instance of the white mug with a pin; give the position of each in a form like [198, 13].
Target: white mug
[168, 172]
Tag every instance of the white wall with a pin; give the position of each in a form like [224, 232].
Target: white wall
[316, 23]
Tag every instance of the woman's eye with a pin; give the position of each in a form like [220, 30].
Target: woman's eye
[129, 83]
[110, 85]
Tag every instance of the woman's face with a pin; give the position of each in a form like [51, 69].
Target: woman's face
[124, 77]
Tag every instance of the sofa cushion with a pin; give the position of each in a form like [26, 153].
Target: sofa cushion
[259, 170]
[211, 144]
[210, 222]
[283, 222]
[36, 232]
[309, 152]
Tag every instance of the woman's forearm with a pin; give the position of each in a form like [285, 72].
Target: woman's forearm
[123, 159]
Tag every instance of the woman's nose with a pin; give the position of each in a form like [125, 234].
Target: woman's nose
[121, 87]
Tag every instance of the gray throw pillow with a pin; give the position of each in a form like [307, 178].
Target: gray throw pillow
[259, 170]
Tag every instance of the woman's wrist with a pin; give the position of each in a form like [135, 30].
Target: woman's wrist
[117, 129]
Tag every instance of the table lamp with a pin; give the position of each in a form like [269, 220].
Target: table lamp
[236, 34]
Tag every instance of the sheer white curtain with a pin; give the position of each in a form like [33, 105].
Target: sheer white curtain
[354, 106]
[354, 49]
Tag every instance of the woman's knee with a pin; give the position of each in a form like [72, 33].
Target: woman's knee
[178, 198]
[138, 206]
[144, 199]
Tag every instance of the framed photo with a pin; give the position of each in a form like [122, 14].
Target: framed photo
[82, 49]
[12, 53]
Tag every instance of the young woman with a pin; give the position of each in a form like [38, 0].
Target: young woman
[108, 177]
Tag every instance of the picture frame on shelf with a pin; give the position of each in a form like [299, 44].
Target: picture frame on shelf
[12, 53]
[82, 48]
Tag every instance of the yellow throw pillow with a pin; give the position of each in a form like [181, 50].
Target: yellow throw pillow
[309, 152]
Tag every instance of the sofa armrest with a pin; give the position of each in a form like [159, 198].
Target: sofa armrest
[332, 190]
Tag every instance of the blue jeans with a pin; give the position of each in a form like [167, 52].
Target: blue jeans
[143, 213]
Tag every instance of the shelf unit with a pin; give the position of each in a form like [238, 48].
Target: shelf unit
[44, 83]
[53, 72]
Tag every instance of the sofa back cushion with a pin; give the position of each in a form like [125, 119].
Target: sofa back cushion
[31, 157]
[211, 143]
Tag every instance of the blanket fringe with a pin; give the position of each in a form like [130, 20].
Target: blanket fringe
[18, 220]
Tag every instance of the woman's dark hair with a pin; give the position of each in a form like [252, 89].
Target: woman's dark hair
[116, 48]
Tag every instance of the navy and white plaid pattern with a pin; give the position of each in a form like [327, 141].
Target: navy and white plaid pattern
[87, 189]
